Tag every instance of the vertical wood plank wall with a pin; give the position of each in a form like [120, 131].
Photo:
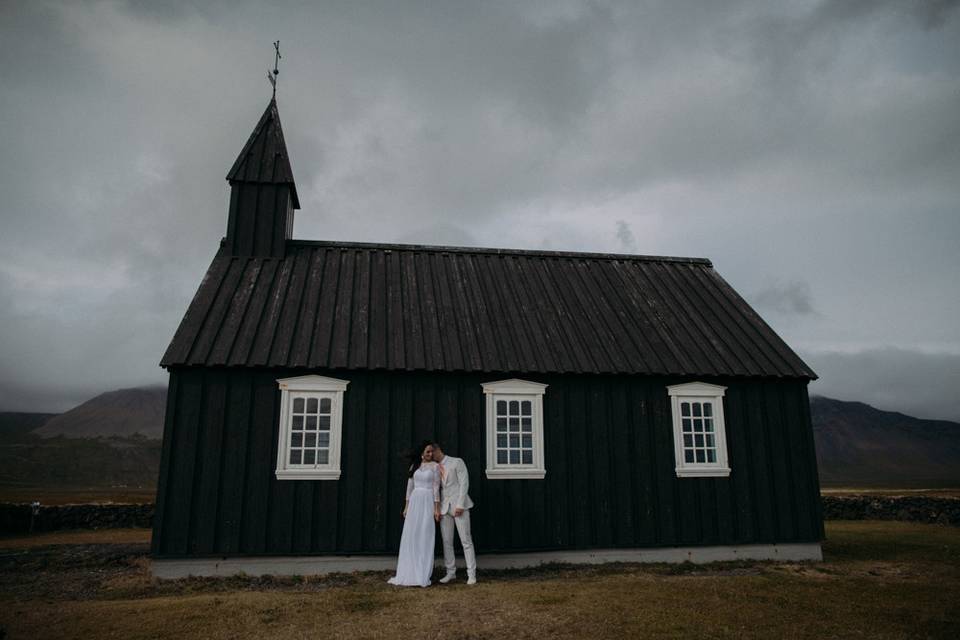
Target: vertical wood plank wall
[609, 457]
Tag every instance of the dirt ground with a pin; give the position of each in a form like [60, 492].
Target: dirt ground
[878, 580]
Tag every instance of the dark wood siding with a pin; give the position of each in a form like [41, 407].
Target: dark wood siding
[609, 456]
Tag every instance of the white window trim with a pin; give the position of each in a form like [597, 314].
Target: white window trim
[699, 391]
[319, 384]
[524, 390]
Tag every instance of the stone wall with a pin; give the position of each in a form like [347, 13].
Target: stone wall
[15, 518]
[930, 509]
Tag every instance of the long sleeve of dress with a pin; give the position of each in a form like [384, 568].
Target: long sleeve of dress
[436, 483]
[409, 487]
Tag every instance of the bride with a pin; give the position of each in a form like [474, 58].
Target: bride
[420, 511]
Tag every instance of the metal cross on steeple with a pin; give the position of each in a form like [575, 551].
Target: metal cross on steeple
[272, 75]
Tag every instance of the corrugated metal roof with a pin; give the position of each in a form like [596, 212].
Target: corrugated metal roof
[264, 158]
[338, 305]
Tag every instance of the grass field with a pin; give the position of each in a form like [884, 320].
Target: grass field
[878, 580]
[57, 496]
[946, 492]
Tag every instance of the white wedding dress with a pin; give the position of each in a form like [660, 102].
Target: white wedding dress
[415, 562]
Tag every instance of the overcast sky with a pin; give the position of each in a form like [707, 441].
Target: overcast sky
[810, 149]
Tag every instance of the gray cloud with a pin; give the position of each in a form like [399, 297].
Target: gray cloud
[812, 147]
[628, 243]
[792, 297]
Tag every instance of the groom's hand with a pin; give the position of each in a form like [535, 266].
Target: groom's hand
[457, 512]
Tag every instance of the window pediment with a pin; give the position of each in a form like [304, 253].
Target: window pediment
[514, 385]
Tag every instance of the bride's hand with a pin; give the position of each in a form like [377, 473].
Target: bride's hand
[404, 512]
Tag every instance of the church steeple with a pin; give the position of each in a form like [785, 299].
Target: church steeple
[263, 194]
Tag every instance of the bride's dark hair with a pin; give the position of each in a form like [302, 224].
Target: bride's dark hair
[413, 457]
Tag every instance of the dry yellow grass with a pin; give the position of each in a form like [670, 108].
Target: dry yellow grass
[79, 536]
[879, 580]
[945, 492]
[54, 496]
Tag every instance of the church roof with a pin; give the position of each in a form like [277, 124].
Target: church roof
[342, 305]
[264, 158]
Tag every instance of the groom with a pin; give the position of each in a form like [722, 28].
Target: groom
[455, 510]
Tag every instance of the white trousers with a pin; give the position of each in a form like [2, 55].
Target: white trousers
[462, 522]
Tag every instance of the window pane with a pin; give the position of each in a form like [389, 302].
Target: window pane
[501, 407]
[295, 456]
[688, 455]
[296, 440]
[684, 408]
[697, 425]
[324, 405]
[311, 440]
[526, 408]
[312, 423]
[323, 457]
[514, 408]
[686, 424]
[514, 441]
[323, 439]
[710, 441]
[309, 456]
[502, 440]
[696, 409]
[526, 424]
[298, 405]
[708, 408]
[711, 455]
[527, 456]
[514, 424]
[527, 440]
[700, 457]
[311, 405]
[325, 423]
[514, 456]
[708, 425]
[297, 422]
[698, 440]
[687, 440]
[501, 456]
[501, 424]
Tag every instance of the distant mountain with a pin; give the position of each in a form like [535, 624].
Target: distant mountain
[860, 446]
[15, 423]
[121, 413]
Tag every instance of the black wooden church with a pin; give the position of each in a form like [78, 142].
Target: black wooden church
[607, 406]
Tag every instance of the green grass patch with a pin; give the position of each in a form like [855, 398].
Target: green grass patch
[864, 540]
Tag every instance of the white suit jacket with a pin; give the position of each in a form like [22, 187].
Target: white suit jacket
[454, 485]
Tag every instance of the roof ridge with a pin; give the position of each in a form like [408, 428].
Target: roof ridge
[497, 251]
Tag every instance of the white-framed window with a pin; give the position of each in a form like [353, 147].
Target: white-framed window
[699, 434]
[311, 421]
[514, 417]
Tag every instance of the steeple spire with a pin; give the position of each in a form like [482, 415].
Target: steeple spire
[276, 71]
[263, 192]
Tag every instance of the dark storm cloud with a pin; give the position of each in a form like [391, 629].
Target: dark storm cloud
[801, 146]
